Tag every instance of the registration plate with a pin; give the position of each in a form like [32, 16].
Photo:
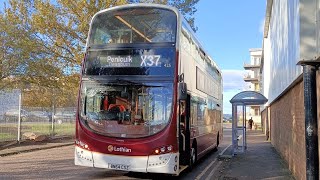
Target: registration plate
[119, 167]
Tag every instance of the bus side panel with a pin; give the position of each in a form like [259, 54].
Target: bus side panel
[207, 134]
[205, 110]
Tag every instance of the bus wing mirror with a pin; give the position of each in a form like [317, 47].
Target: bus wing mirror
[182, 91]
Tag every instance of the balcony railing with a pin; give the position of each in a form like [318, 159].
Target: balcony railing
[251, 66]
[249, 78]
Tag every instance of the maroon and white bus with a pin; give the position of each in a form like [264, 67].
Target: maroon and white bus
[150, 97]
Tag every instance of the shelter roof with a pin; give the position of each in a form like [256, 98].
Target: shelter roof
[249, 98]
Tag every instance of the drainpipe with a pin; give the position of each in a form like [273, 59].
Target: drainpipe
[311, 123]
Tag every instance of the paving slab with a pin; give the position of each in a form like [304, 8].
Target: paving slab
[259, 161]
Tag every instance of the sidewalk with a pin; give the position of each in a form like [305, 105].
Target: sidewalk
[259, 161]
[26, 146]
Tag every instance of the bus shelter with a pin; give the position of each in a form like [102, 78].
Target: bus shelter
[239, 103]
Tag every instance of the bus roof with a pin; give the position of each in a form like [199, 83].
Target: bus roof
[174, 9]
[126, 6]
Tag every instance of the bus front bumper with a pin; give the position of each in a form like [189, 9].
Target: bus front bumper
[163, 163]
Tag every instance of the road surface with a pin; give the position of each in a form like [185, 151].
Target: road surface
[58, 163]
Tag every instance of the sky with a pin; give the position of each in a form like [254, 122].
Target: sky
[227, 30]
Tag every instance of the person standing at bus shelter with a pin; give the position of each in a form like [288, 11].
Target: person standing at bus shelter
[250, 122]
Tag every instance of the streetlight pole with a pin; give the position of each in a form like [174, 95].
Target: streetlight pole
[311, 122]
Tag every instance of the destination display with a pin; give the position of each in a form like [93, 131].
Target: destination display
[133, 61]
[155, 61]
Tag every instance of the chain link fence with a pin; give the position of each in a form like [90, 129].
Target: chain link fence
[36, 123]
[9, 107]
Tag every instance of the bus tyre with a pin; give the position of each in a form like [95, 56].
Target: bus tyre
[193, 157]
[216, 148]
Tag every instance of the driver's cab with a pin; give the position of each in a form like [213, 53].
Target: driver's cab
[124, 108]
[117, 106]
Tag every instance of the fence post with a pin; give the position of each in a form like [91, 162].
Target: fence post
[52, 113]
[19, 119]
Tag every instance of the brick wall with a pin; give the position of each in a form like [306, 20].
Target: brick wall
[287, 129]
[265, 114]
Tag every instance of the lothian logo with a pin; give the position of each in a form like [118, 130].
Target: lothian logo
[110, 148]
[118, 149]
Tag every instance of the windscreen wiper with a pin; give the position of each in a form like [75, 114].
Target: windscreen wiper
[127, 82]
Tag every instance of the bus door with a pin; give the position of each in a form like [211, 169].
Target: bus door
[184, 136]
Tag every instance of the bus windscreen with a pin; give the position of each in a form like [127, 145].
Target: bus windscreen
[134, 25]
[126, 109]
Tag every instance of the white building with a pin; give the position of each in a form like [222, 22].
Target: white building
[253, 77]
[291, 36]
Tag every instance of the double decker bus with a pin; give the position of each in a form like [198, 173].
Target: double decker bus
[150, 97]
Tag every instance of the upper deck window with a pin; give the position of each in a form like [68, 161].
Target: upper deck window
[134, 25]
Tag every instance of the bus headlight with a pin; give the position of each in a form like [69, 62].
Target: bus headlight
[156, 151]
[82, 144]
[163, 150]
